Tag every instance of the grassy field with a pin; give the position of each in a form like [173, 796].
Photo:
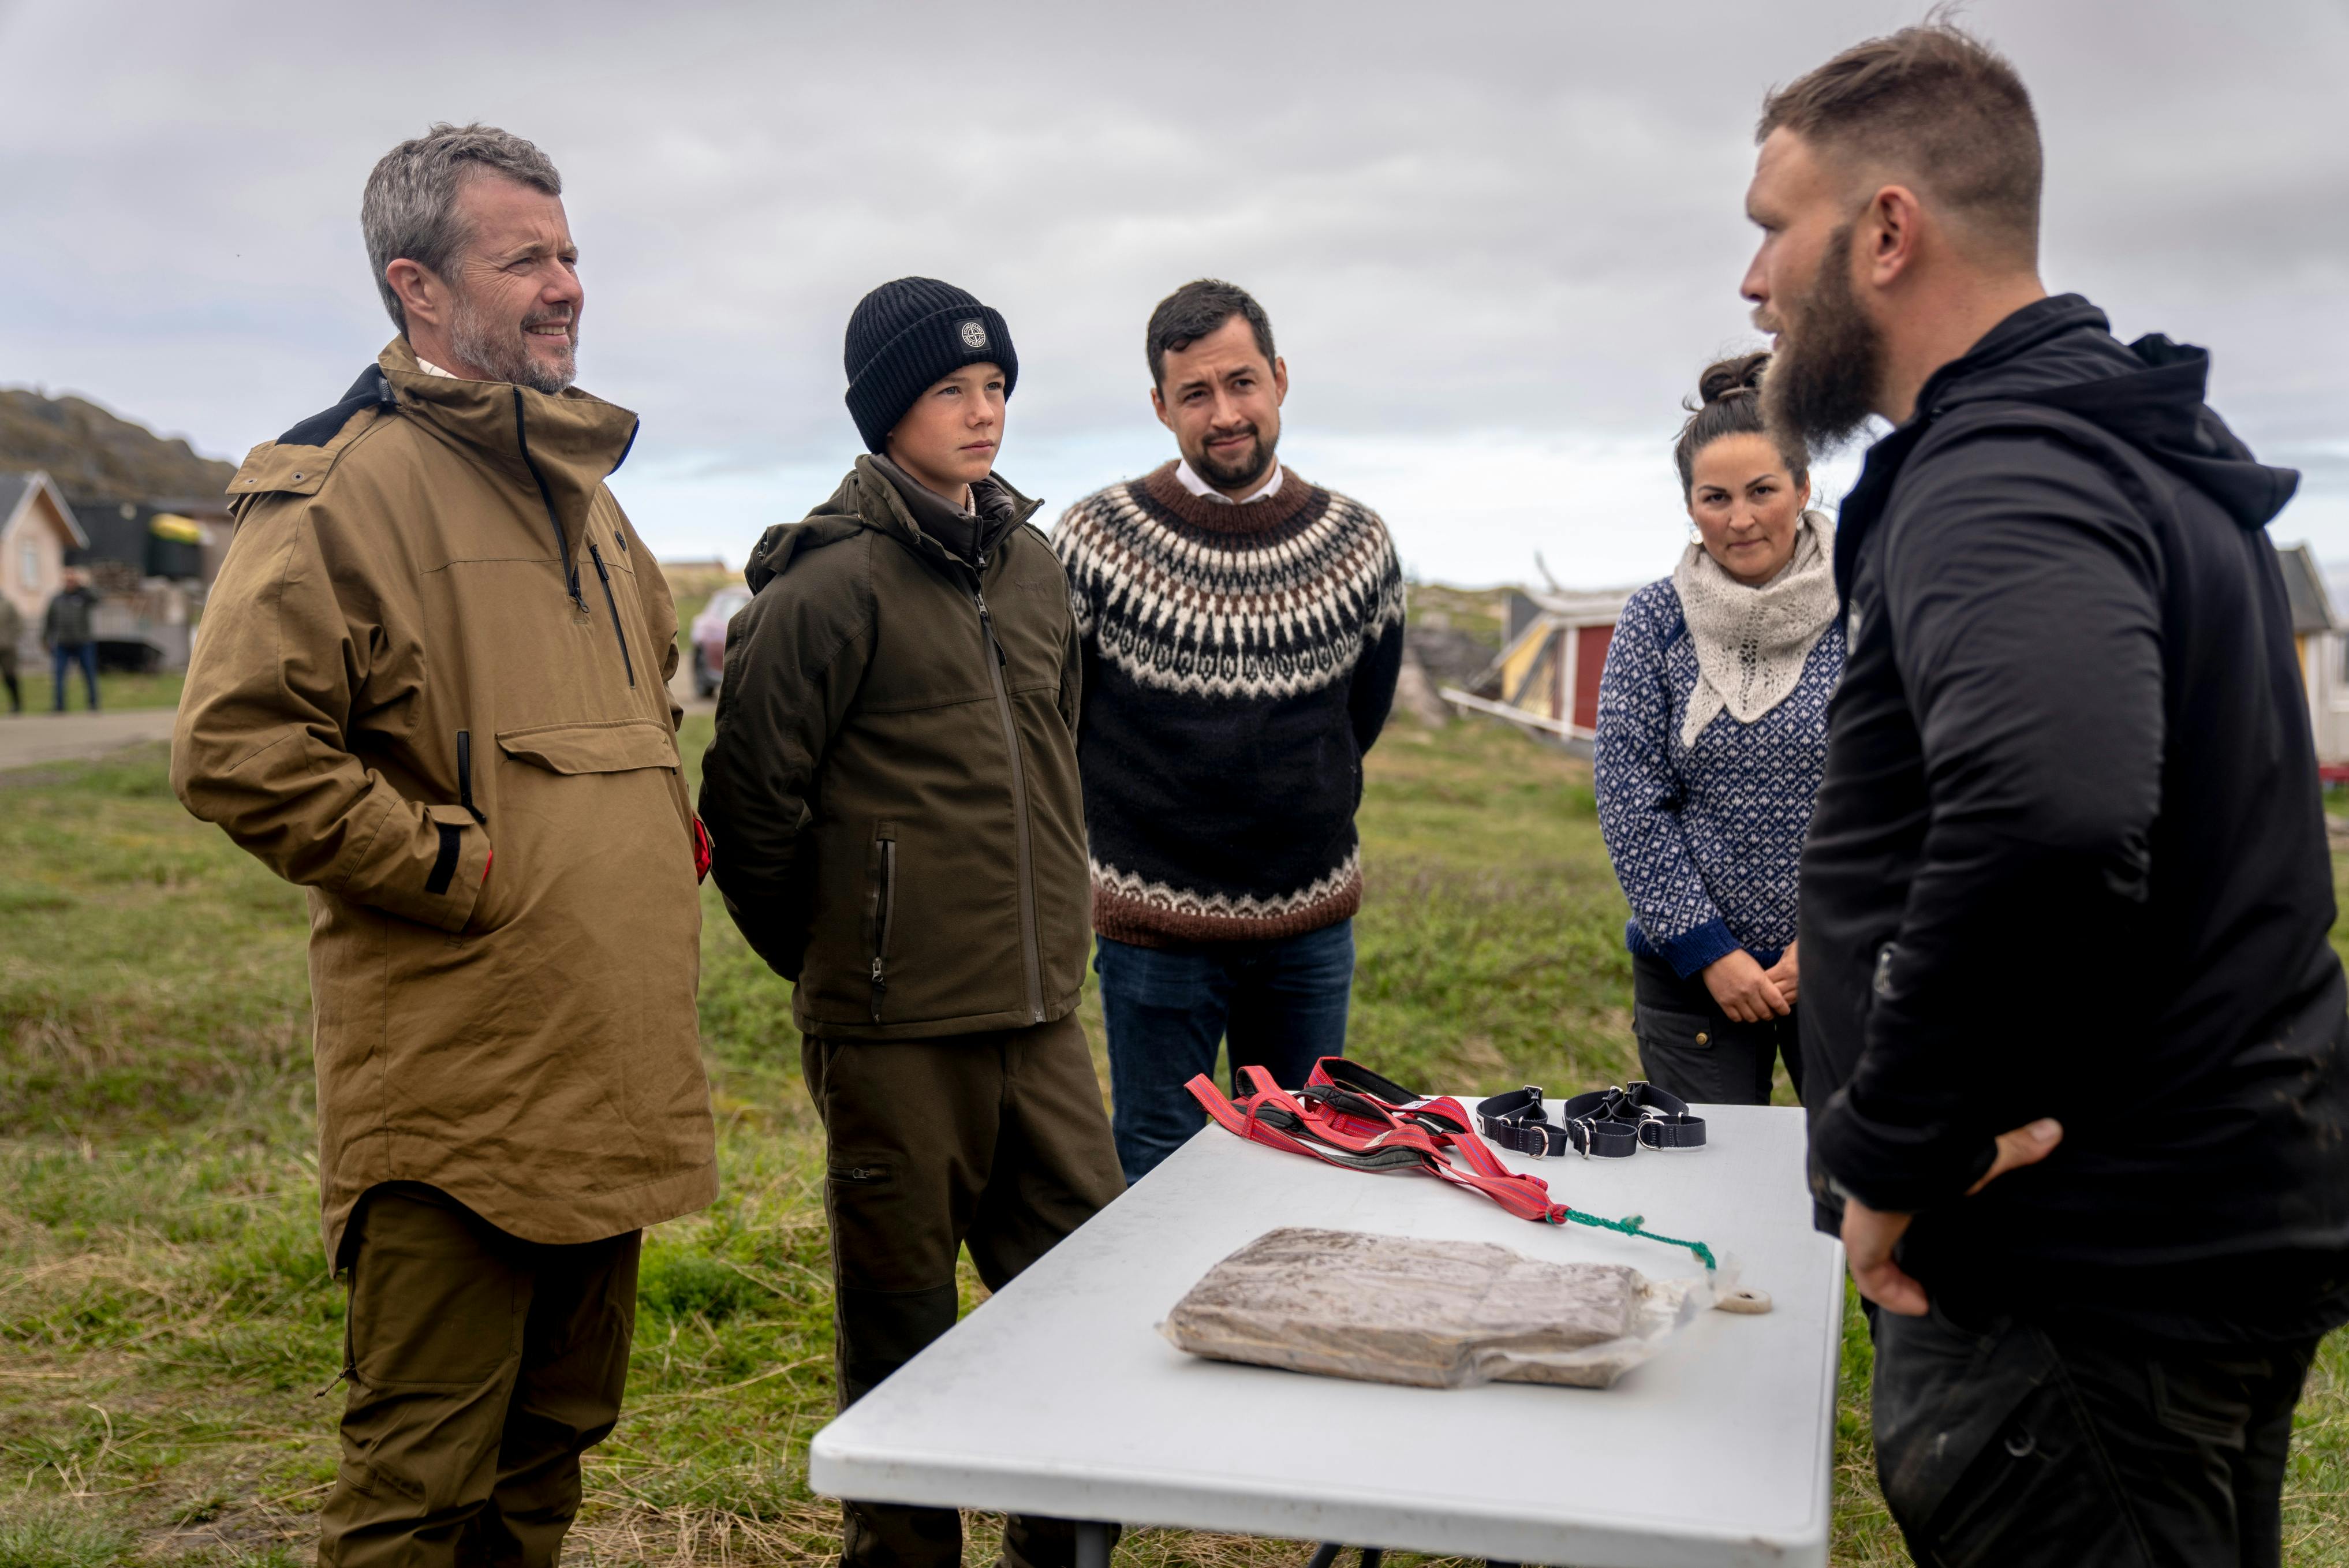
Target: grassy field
[116, 688]
[167, 1326]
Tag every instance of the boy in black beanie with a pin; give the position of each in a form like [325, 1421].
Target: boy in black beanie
[893, 790]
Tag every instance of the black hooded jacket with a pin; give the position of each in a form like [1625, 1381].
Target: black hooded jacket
[2069, 858]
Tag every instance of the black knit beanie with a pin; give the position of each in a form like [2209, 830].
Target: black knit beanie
[909, 334]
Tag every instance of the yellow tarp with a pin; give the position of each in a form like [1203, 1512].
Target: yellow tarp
[171, 525]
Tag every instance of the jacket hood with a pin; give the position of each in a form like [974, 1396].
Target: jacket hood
[866, 500]
[2060, 353]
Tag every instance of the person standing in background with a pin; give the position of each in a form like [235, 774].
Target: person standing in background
[12, 632]
[68, 632]
[1712, 727]
[1243, 632]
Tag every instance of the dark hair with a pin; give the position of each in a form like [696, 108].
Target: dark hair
[1730, 403]
[1942, 107]
[1195, 310]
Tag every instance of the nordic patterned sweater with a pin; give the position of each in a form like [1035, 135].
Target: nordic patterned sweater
[1238, 660]
[1705, 838]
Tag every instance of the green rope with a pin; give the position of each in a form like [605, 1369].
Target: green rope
[1630, 1227]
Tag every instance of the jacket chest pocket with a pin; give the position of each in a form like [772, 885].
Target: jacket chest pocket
[880, 906]
[587, 824]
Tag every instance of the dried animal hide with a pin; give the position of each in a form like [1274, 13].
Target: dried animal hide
[1435, 1314]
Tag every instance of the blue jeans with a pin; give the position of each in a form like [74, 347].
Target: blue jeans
[1282, 1005]
[64, 658]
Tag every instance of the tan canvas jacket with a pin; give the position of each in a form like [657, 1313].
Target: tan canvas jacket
[431, 687]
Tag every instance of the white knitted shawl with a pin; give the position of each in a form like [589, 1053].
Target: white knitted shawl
[1752, 641]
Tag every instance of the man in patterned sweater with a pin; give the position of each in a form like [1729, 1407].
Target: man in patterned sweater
[1242, 633]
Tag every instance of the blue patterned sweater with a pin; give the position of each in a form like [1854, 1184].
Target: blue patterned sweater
[1705, 838]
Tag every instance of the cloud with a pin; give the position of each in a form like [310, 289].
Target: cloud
[1497, 241]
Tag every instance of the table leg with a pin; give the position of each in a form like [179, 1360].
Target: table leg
[1325, 1555]
[1092, 1544]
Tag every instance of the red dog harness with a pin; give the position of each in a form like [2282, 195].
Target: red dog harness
[1351, 1116]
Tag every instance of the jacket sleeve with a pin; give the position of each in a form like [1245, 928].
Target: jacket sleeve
[1072, 678]
[284, 665]
[1639, 799]
[794, 660]
[1078, 675]
[2024, 598]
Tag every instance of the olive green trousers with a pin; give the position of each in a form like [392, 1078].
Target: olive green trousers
[481, 1368]
[997, 1142]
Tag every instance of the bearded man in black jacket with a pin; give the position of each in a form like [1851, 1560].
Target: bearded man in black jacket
[2081, 1117]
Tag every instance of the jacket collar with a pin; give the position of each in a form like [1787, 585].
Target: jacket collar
[567, 443]
[880, 505]
[2036, 324]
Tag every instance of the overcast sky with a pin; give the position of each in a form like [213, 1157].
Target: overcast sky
[1497, 240]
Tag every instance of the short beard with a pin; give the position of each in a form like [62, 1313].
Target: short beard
[1822, 382]
[503, 355]
[1233, 475]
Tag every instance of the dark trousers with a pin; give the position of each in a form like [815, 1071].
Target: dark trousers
[482, 1367]
[1690, 1047]
[1282, 1005]
[65, 657]
[8, 679]
[2019, 1444]
[996, 1142]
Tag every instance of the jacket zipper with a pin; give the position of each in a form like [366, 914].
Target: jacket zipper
[546, 499]
[884, 895]
[465, 777]
[1018, 806]
[606, 579]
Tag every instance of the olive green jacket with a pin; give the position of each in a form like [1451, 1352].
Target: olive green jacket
[893, 788]
[432, 687]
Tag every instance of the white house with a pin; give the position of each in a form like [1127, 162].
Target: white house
[36, 529]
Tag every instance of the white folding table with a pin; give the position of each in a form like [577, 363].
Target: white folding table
[1059, 1397]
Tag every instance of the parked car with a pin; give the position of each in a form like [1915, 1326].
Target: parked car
[708, 638]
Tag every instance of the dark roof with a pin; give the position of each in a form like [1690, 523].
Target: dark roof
[113, 537]
[2303, 585]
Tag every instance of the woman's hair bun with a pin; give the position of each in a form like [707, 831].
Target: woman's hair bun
[1728, 378]
[1730, 408]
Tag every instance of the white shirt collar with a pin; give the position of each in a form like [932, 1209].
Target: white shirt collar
[430, 369]
[1199, 487]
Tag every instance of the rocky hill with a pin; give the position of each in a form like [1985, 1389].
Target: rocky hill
[95, 456]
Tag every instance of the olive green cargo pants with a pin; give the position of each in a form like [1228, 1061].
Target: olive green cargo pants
[482, 1367]
[997, 1142]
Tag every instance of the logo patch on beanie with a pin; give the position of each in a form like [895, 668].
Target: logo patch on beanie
[974, 334]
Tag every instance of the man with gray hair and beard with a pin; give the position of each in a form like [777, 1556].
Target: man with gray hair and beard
[432, 689]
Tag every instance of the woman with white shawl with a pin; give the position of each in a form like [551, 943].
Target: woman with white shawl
[1712, 726]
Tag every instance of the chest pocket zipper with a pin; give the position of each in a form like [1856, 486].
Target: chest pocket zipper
[604, 578]
[883, 872]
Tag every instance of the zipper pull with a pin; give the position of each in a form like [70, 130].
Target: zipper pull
[986, 625]
[878, 983]
[596, 555]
